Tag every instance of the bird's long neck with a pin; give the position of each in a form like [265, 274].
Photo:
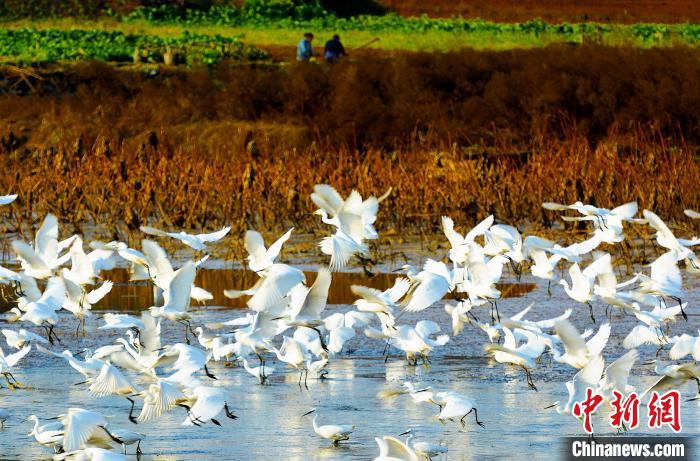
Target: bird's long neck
[36, 427]
[409, 441]
[315, 422]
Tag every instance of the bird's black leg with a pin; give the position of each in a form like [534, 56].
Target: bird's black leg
[320, 337]
[476, 418]
[229, 413]
[590, 310]
[132, 418]
[209, 375]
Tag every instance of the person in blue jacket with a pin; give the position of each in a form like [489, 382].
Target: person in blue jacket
[304, 49]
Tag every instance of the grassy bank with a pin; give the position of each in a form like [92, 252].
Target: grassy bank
[394, 33]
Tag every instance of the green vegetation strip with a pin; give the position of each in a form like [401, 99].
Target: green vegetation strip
[30, 45]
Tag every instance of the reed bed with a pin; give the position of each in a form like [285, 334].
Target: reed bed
[114, 189]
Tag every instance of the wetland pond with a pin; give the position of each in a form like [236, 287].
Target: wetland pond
[270, 425]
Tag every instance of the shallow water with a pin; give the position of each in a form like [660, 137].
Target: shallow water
[270, 425]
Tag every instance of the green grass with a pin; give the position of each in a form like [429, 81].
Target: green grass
[482, 36]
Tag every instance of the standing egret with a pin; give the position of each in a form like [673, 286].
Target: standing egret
[333, 432]
[129, 438]
[258, 372]
[425, 449]
[292, 353]
[50, 435]
[509, 353]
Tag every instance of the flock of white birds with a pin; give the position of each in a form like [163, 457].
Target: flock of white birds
[287, 319]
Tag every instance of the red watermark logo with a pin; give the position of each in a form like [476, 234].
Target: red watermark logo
[664, 410]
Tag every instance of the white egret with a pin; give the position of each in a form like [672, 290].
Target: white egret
[50, 434]
[260, 373]
[684, 345]
[111, 381]
[292, 353]
[425, 449]
[176, 299]
[79, 301]
[8, 362]
[83, 428]
[203, 403]
[20, 338]
[128, 437]
[578, 351]
[259, 257]
[333, 432]
[454, 405]
[509, 352]
[42, 260]
[197, 242]
[43, 311]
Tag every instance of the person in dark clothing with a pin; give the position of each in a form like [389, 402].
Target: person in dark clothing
[334, 49]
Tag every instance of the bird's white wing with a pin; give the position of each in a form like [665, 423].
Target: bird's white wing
[682, 346]
[391, 448]
[448, 227]
[153, 231]
[280, 279]
[626, 211]
[46, 240]
[597, 343]
[257, 254]
[555, 206]
[54, 294]
[29, 287]
[429, 291]
[79, 426]
[27, 253]
[14, 358]
[149, 334]
[327, 198]
[617, 373]
[642, 335]
[214, 236]
[355, 319]
[317, 296]
[97, 294]
[569, 335]
[177, 296]
[7, 199]
[399, 289]
[339, 249]
[601, 265]
[654, 221]
[210, 401]
[589, 376]
[274, 250]
[110, 381]
[368, 293]
[479, 229]
[665, 267]
[160, 399]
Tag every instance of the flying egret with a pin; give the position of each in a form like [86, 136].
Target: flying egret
[176, 299]
[462, 245]
[454, 405]
[20, 338]
[84, 428]
[41, 260]
[111, 381]
[7, 362]
[203, 403]
[306, 304]
[43, 311]
[333, 432]
[509, 352]
[259, 257]
[684, 345]
[195, 241]
[79, 301]
[577, 351]
[582, 281]
[665, 280]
